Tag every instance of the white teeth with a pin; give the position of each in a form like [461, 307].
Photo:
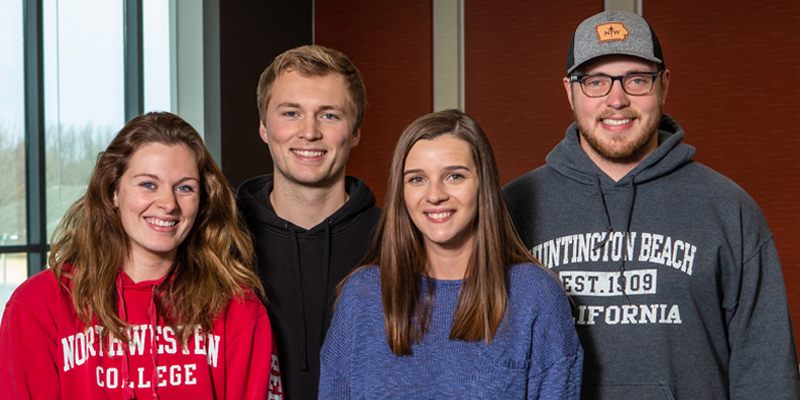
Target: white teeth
[308, 153]
[159, 222]
[440, 215]
[616, 122]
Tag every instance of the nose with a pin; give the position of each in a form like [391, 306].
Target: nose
[167, 201]
[309, 129]
[437, 193]
[617, 98]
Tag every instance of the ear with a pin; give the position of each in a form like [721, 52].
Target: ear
[356, 138]
[262, 131]
[664, 85]
[568, 88]
[116, 203]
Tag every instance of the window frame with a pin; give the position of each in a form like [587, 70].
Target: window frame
[37, 245]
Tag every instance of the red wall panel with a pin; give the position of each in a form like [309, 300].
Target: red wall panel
[392, 45]
[515, 58]
[734, 90]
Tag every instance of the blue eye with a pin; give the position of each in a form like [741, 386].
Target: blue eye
[330, 116]
[291, 114]
[185, 189]
[148, 185]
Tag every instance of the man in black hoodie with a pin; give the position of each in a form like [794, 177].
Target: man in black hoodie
[673, 271]
[312, 224]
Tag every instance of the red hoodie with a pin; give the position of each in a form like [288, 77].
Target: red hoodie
[47, 353]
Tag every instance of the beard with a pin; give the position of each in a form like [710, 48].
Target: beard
[634, 151]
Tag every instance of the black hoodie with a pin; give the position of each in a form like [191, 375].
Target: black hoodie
[301, 269]
[673, 271]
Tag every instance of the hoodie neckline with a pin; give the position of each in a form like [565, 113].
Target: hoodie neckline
[569, 159]
[253, 199]
[124, 283]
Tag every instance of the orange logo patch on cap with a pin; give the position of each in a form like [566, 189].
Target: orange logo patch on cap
[611, 31]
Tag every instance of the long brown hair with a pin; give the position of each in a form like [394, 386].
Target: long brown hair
[90, 244]
[399, 249]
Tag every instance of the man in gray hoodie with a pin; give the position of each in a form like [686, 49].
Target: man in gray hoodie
[673, 271]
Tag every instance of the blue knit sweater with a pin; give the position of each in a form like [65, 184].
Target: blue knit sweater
[535, 353]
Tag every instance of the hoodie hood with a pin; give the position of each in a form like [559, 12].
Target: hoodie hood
[253, 201]
[570, 160]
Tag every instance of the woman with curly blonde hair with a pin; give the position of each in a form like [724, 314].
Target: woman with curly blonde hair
[151, 291]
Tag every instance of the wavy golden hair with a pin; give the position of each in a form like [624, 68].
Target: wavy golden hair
[400, 252]
[90, 244]
[314, 60]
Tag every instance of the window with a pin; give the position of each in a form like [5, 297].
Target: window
[67, 85]
[13, 265]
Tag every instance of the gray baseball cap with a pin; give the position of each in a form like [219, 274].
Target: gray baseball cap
[613, 32]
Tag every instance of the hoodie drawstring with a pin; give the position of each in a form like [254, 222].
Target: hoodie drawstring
[127, 390]
[631, 198]
[610, 229]
[154, 343]
[298, 281]
[326, 263]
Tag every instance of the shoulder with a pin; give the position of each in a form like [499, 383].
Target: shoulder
[367, 277]
[730, 203]
[362, 284]
[247, 305]
[42, 286]
[534, 282]
[242, 312]
[525, 185]
[39, 297]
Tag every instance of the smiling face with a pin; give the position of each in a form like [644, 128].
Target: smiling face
[309, 128]
[618, 128]
[441, 191]
[158, 197]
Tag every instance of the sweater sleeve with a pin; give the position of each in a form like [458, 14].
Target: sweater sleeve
[557, 356]
[28, 351]
[252, 365]
[763, 360]
[337, 348]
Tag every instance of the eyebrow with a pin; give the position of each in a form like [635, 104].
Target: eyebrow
[629, 72]
[447, 168]
[321, 108]
[151, 176]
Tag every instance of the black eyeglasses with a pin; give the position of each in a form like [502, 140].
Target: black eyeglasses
[634, 83]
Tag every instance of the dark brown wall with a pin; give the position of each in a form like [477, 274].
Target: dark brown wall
[392, 47]
[734, 90]
[251, 34]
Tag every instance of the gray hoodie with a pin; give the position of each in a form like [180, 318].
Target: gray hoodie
[677, 287]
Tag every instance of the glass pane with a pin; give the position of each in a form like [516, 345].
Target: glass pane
[14, 270]
[84, 93]
[12, 125]
[157, 47]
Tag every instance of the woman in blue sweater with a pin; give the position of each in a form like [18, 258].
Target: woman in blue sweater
[450, 304]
